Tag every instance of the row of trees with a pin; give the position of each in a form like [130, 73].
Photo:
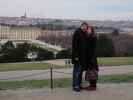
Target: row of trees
[109, 45]
[64, 41]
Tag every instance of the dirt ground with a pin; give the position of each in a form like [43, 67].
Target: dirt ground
[104, 92]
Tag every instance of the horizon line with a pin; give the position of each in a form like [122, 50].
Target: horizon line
[74, 19]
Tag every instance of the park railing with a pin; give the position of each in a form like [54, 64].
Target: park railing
[50, 72]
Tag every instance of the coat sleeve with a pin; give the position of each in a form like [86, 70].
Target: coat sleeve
[75, 46]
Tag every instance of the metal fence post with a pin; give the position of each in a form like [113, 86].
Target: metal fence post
[51, 77]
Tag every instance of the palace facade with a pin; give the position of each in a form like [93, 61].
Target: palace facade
[19, 32]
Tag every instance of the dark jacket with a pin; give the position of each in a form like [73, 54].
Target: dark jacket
[84, 48]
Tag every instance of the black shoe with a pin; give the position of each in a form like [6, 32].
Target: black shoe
[76, 89]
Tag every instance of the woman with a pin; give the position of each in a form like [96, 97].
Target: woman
[84, 55]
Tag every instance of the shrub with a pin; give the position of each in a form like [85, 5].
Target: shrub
[105, 46]
[64, 54]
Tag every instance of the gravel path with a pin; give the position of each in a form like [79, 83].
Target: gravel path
[45, 74]
[104, 92]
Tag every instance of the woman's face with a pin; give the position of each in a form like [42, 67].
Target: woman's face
[89, 30]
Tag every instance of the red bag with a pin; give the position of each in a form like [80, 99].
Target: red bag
[91, 75]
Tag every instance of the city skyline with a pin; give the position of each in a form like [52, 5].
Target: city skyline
[69, 9]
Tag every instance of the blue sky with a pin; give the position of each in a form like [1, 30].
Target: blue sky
[71, 9]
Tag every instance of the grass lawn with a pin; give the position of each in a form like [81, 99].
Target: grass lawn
[61, 83]
[26, 66]
[115, 61]
[111, 61]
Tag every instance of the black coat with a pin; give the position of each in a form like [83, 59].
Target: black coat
[84, 48]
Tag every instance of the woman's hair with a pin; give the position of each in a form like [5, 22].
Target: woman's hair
[93, 31]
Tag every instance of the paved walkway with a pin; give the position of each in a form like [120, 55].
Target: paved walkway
[59, 73]
[104, 92]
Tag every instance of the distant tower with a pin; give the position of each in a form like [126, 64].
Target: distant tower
[25, 15]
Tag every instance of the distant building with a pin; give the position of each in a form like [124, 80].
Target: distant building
[104, 30]
[128, 29]
[57, 32]
[19, 32]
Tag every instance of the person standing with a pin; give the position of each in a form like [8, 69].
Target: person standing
[84, 56]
